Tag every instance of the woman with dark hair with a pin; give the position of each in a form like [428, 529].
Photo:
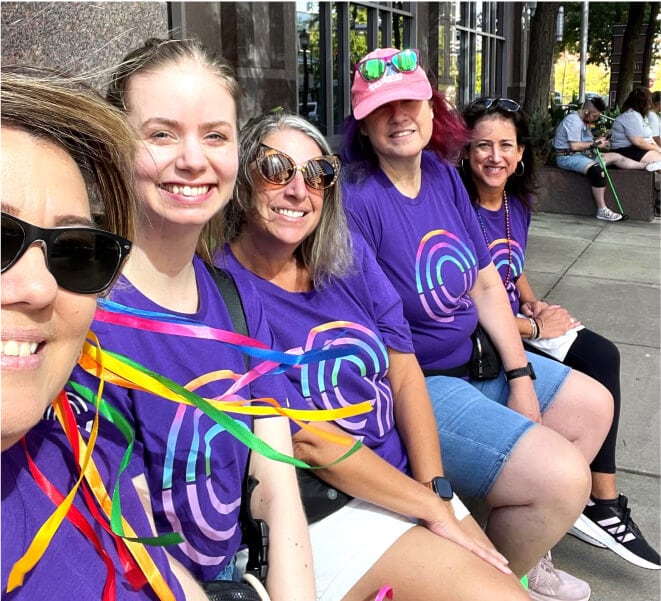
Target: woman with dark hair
[522, 438]
[66, 166]
[631, 134]
[498, 172]
[404, 527]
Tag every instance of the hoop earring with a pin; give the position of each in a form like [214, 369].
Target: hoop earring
[523, 169]
[462, 165]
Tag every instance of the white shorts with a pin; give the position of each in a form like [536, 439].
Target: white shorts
[347, 543]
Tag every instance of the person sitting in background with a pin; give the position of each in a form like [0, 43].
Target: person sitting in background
[502, 437]
[288, 234]
[502, 197]
[631, 134]
[574, 143]
[66, 155]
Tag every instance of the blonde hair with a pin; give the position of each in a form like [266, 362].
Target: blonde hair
[156, 54]
[68, 112]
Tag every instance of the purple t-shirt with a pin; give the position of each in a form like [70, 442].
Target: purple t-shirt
[193, 466]
[494, 230]
[361, 308]
[431, 249]
[71, 567]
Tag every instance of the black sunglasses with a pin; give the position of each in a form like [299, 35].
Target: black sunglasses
[84, 260]
[278, 168]
[506, 104]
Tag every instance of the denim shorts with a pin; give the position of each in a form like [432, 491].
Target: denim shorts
[575, 162]
[477, 430]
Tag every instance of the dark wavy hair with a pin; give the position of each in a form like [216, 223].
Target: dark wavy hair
[523, 186]
[448, 138]
[640, 100]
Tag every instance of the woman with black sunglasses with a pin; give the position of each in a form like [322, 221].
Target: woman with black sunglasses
[65, 163]
[520, 440]
[498, 171]
[182, 102]
[322, 287]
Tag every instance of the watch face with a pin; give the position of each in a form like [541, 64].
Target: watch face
[442, 487]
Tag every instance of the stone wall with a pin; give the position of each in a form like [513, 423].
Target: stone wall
[78, 37]
[562, 191]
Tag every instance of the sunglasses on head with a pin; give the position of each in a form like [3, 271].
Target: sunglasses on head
[278, 168]
[492, 103]
[84, 260]
[373, 69]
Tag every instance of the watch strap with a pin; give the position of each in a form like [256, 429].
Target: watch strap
[520, 372]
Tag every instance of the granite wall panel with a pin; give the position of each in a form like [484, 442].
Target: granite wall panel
[78, 37]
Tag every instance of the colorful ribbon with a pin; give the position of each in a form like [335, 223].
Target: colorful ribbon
[123, 371]
[385, 592]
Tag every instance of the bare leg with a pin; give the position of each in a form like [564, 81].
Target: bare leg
[421, 565]
[598, 196]
[582, 412]
[538, 495]
[619, 160]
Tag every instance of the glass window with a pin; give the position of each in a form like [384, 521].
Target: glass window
[339, 34]
[471, 30]
[308, 60]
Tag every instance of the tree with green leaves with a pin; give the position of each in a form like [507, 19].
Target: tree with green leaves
[638, 17]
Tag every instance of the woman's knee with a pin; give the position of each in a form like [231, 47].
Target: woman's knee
[594, 400]
[544, 470]
[582, 412]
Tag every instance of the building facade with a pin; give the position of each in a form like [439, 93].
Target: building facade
[296, 55]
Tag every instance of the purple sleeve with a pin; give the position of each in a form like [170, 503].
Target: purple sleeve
[386, 303]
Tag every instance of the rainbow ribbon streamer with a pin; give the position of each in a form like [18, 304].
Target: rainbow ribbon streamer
[120, 370]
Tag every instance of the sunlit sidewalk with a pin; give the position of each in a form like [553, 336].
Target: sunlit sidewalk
[608, 275]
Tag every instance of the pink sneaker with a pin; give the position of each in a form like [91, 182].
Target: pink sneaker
[546, 583]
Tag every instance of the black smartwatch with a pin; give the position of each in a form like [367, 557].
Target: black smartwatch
[520, 372]
[441, 486]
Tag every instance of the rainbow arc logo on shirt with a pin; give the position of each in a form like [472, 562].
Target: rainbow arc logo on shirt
[445, 270]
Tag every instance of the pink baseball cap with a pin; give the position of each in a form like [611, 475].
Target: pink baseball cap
[367, 96]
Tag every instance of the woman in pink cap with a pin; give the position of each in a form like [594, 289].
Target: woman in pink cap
[522, 439]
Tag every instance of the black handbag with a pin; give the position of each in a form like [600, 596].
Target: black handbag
[485, 362]
[226, 590]
[319, 499]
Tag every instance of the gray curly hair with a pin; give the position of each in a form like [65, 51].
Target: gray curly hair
[327, 252]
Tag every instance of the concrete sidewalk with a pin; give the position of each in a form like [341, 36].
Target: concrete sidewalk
[608, 276]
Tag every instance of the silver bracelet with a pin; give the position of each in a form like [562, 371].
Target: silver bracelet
[534, 330]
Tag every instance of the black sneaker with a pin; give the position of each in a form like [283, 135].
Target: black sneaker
[609, 524]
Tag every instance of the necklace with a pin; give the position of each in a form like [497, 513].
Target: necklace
[508, 235]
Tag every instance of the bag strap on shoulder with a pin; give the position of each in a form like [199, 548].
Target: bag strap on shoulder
[255, 532]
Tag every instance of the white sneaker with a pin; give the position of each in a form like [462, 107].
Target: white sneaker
[653, 166]
[606, 214]
[546, 583]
